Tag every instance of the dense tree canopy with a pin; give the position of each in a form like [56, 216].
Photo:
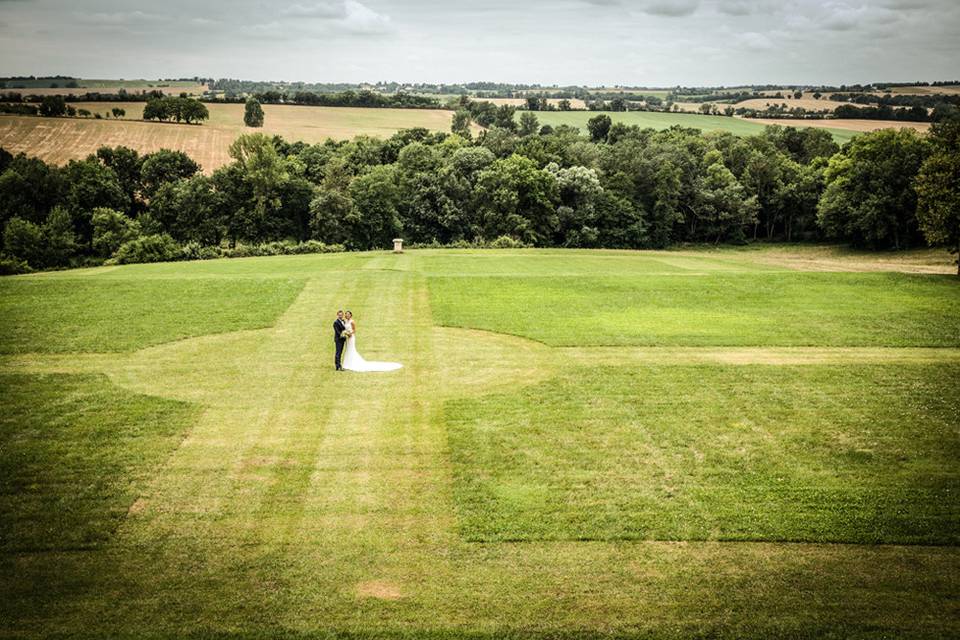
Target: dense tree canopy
[181, 109]
[619, 186]
[870, 197]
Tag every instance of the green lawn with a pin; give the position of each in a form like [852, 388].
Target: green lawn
[600, 444]
[659, 120]
[690, 308]
[710, 452]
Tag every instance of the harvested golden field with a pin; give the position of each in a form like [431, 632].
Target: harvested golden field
[60, 140]
[808, 103]
[849, 125]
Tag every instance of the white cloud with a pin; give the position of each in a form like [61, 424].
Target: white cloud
[316, 10]
[756, 41]
[842, 17]
[362, 20]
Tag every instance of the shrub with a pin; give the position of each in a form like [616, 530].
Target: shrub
[197, 251]
[503, 242]
[282, 249]
[12, 266]
[152, 248]
[506, 242]
[23, 241]
[51, 244]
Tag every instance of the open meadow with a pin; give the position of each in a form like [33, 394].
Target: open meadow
[660, 120]
[744, 443]
[850, 127]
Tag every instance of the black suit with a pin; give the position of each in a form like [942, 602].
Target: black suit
[338, 328]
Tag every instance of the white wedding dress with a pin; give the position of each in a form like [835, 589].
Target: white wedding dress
[353, 361]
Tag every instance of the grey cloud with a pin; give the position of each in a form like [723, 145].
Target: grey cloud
[756, 41]
[763, 8]
[652, 42]
[121, 18]
[906, 5]
[328, 20]
[843, 17]
[671, 8]
[735, 7]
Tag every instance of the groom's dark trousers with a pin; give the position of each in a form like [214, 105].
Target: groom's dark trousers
[338, 341]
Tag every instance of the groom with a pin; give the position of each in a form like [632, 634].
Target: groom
[338, 340]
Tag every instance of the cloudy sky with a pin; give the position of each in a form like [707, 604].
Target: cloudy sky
[639, 42]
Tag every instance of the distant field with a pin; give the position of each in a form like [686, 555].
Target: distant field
[43, 88]
[808, 103]
[63, 139]
[195, 89]
[656, 93]
[655, 120]
[575, 103]
[951, 89]
[843, 130]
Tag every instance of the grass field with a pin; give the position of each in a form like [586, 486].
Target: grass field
[743, 443]
[64, 139]
[658, 120]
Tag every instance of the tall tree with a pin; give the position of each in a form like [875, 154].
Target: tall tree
[190, 210]
[89, 185]
[253, 113]
[869, 197]
[599, 127]
[938, 188]
[267, 174]
[722, 207]
[517, 199]
[29, 189]
[126, 163]
[164, 166]
[504, 117]
[529, 124]
[461, 124]
[374, 219]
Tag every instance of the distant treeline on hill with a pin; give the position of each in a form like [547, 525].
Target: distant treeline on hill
[617, 187]
[342, 99]
[89, 96]
[900, 100]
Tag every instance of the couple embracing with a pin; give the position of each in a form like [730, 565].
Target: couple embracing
[346, 357]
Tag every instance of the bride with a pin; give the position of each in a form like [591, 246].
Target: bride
[352, 360]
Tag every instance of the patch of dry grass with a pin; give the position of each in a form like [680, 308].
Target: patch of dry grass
[59, 140]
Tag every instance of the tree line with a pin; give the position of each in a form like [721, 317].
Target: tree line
[618, 186]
